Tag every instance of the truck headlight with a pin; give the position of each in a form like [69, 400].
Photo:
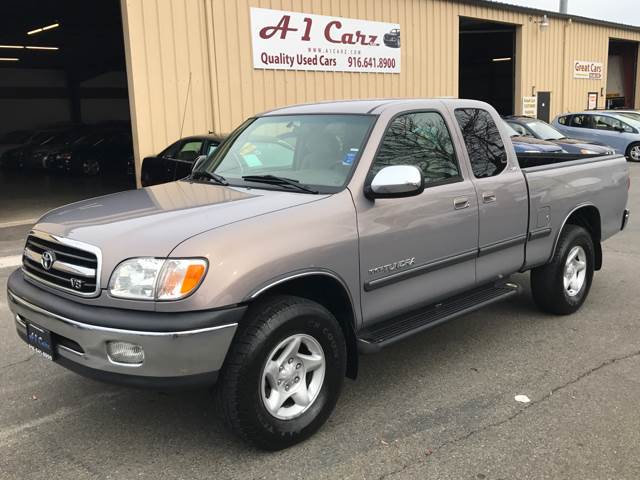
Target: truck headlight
[149, 278]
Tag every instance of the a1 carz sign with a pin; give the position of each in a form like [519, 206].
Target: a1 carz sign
[299, 41]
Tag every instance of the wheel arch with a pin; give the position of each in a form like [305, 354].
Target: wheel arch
[588, 217]
[330, 291]
[630, 145]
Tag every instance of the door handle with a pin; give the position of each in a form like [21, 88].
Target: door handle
[488, 197]
[460, 203]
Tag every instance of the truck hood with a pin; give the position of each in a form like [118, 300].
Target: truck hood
[153, 220]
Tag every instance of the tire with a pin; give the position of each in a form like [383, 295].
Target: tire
[548, 284]
[633, 152]
[244, 390]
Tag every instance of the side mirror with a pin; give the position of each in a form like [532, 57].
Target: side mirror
[198, 162]
[396, 181]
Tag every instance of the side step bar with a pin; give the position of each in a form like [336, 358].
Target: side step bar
[380, 335]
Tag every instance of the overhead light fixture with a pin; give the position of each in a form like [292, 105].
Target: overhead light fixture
[9, 59]
[543, 23]
[43, 29]
[29, 47]
[501, 59]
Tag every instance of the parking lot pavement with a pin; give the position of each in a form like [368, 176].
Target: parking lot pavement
[440, 405]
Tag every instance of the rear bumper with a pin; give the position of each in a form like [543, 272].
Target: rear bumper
[172, 358]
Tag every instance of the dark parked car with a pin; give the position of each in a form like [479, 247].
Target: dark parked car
[34, 155]
[176, 161]
[100, 151]
[533, 127]
[392, 39]
[524, 144]
[14, 139]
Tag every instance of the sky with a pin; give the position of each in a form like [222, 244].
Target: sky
[619, 11]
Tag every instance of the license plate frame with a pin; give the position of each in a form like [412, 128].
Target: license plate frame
[40, 340]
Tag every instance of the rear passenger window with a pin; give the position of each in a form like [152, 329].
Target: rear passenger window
[579, 121]
[420, 139]
[484, 143]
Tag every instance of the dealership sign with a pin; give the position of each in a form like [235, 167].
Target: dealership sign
[588, 70]
[299, 41]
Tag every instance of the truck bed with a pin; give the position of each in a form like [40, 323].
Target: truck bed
[528, 160]
[559, 184]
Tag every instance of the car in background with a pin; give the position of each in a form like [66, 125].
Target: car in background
[524, 144]
[622, 132]
[533, 127]
[392, 39]
[15, 139]
[176, 161]
[101, 151]
[34, 154]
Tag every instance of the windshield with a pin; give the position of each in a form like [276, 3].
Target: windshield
[315, 150]
[93, 139]
[629, 119]
[544, 131]
[632, 115]
[510, 130]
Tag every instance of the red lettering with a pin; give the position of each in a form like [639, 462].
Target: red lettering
[327, 30]
[306, 37]
[282, 27]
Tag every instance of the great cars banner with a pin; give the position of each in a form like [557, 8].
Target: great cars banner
[299, 41]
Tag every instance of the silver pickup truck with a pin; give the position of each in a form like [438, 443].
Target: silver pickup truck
[314, 233]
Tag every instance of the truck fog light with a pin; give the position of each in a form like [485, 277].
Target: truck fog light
[125, 352]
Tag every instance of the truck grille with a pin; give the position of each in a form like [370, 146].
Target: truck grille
[61, 263]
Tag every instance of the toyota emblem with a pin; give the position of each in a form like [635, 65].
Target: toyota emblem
[48, 257]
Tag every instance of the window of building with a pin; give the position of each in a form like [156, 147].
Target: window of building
[423, 140]
[486, 150]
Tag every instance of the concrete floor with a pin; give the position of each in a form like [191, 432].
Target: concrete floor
[439, 405]
[25, 196]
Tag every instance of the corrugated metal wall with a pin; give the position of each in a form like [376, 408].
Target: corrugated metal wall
[190, 67]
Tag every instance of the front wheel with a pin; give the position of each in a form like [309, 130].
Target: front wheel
[633, 152]
[562, 285]
[284, 372]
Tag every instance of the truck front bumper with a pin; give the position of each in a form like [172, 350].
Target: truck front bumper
[173, 356]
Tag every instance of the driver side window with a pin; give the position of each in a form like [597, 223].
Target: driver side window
[421, 139]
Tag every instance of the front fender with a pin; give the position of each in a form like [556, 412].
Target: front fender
[248, 256]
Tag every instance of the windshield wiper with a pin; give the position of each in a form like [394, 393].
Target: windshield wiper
[203, 174]
[275, 180]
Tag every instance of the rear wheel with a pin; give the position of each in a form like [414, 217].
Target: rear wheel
[562, 285]
[284, 372]
[633, 152]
